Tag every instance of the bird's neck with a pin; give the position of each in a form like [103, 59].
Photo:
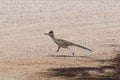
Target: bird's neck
[54, 39]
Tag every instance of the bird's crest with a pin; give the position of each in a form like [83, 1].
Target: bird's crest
[51, 32]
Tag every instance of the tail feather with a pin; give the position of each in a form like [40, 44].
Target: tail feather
[82, 47]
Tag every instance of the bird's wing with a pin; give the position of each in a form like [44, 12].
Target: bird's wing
[64, 42]
[67, 43]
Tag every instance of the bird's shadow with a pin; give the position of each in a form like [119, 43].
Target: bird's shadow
[67, 56]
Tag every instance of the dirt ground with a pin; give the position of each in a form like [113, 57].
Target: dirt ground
[27, 54]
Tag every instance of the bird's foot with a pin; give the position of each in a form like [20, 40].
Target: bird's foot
[56, 51]
[73, 54]
[51, 55]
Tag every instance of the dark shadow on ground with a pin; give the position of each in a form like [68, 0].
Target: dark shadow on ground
[106, 72]
[83, 73]
[109, 72]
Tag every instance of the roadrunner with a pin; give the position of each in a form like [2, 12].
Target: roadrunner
[63, 43]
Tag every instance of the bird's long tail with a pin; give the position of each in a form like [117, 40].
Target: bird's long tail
[81, 47]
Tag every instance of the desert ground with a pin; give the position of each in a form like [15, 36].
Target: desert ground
[27, 54]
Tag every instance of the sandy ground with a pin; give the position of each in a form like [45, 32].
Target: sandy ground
[25, 53]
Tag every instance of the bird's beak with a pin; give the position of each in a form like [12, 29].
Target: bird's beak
[46, 34]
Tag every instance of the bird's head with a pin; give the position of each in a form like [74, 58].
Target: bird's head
[51, 34]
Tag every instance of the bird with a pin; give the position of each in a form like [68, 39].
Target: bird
[63, 43]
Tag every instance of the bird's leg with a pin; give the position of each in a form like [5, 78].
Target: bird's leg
[71, 51]
[58, 48]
